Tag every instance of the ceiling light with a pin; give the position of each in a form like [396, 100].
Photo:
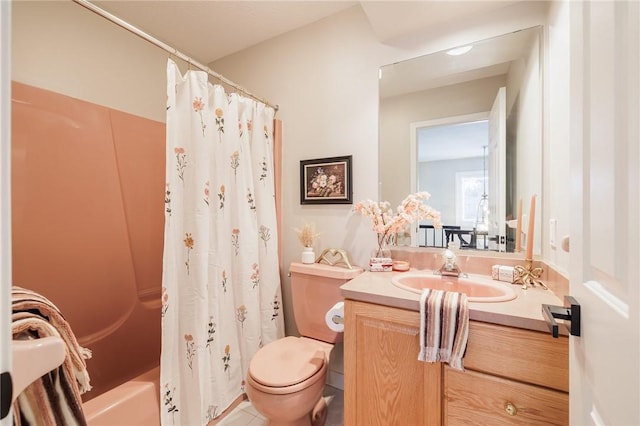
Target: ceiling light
[459, 50]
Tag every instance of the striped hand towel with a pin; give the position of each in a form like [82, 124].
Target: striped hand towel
[444, 327]
[54, 399]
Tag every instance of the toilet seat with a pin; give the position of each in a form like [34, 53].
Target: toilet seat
[288, 365]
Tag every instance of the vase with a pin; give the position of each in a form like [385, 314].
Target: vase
[308, 256]
[382, 250]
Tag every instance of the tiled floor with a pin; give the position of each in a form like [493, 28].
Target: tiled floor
[245, 415]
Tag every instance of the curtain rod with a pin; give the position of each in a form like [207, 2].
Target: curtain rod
[173, 51]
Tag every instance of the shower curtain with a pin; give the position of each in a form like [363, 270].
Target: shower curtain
[221, 296]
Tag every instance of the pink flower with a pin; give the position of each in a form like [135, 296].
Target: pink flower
[386, 222]
[198, 105]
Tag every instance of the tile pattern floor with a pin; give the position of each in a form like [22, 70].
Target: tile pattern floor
[245, 415]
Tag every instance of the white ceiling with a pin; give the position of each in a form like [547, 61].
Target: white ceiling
[487, 58]
[208, 30]
[453, 141]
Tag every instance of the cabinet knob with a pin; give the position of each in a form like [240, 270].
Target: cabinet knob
[510, 408]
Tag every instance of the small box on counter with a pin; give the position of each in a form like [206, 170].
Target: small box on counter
[380, 264]
[380, 267]
[383, 260]
[504, 273]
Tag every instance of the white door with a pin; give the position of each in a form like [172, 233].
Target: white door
[605, 261]
[498, 169]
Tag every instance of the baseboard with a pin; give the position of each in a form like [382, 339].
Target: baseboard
[335, 380]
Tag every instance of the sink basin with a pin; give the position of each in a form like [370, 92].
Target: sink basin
[477, 288]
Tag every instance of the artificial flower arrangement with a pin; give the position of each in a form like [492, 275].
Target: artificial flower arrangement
[386, 223]
[307, 234]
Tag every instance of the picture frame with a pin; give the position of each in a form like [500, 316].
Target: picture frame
[326, 181]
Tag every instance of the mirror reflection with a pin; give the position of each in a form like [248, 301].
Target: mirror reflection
[465, 125]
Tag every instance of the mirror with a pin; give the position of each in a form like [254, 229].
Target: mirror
[465, 125]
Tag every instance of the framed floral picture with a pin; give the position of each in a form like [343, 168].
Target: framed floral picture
[326, 181]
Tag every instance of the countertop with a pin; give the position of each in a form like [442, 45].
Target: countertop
[525, 311]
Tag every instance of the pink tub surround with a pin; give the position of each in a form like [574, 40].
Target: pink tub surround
[133, 403]
[55, 398]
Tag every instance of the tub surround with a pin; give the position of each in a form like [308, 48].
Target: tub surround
[88, 218]
[134, 403]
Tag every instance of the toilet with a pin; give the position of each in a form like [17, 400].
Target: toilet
[286, 377]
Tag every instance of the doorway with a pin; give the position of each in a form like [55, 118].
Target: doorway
[450, 164]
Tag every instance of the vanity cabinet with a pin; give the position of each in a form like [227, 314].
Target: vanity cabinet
[385, 384]
[512, 376]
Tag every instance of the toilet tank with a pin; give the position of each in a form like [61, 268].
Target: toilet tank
[315, 288]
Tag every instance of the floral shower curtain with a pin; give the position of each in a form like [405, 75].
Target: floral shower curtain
[221, 283]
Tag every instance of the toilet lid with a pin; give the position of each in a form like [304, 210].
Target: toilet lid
[286, 361]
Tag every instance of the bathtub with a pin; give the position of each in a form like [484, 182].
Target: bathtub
[133, 403]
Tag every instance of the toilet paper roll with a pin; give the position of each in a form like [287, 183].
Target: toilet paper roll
[334, 317]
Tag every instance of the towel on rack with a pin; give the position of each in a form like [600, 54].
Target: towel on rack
[54, 399]
[444, 327]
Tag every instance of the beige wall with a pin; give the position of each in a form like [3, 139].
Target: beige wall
[528, 134]
[325, 79]
[556, 156]
[397, 114]
[63, 47]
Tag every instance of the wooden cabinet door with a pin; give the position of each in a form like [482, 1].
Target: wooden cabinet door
[517, 354]
[385, 384]
[472, 398]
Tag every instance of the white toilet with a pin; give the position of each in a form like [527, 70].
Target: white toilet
[286, 377]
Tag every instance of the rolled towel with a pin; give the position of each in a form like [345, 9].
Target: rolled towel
[444, 327]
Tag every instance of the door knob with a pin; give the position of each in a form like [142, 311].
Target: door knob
[570, 312]
[510, 408]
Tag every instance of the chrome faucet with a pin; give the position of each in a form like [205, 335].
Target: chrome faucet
[449, 267]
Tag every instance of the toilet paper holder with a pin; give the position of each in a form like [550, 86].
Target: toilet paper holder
[337, 319]
[334, 318]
